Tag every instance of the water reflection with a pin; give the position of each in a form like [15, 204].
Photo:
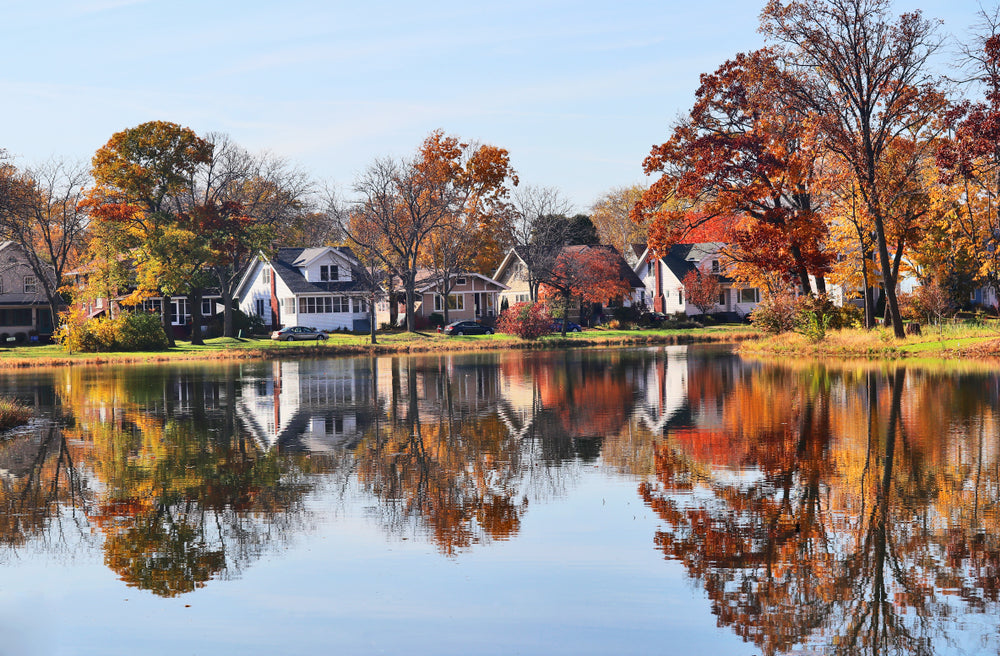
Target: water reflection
[822, 509]
[848, 511]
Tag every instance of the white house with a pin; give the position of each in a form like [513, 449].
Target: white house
[316, 287]
[663, 289]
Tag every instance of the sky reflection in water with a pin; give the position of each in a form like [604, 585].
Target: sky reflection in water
[617, 501]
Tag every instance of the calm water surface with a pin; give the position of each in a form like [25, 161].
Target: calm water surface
[641, 501]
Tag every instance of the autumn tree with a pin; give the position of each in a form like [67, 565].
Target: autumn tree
[138, 173]
[702, 288]
[743, 155]
[612, 216]
[864, 80]
[238, 202]
[585, 274]
[473, 234]
[970, 160]
[404, 204]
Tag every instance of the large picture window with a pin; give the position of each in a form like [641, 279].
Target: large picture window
[341, 304]
[455, 302]
[749, 295]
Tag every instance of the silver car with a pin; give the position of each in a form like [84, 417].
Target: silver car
[297, 332]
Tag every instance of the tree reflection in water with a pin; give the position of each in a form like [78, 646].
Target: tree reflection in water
[828, 511]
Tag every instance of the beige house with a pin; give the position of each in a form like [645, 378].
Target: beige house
[472, 296]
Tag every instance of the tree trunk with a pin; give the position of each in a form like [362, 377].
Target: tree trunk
[887, 280]
[168, 328]
[371, 317]
[195, 300]
[409, 285]
[227, 307]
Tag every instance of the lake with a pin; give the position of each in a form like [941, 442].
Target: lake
[668, 500]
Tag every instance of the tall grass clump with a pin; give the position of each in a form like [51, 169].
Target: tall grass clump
[13, 414]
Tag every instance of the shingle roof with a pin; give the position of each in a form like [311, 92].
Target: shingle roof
[683, 258]
[285, 263]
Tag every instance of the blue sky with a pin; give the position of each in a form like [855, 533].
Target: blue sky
[576, 91]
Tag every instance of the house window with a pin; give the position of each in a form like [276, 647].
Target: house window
[315, 305]
[680, 296]
[153, 305]
[715, 266]
[724, 297]
[266, 275]
[341, 304]
[180, 311]
[30, 285]
[460, 281]
[260, 307]
[360, 305]
[289, 305]
[328, 272]
[455, 302]
[1, 285]
[207, 306]
[749, 295]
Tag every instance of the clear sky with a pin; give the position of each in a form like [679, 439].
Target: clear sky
[577, 91]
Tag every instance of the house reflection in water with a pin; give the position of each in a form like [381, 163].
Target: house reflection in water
[308, 405]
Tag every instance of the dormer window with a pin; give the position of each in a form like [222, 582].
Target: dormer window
[328, 272]
[715, 266]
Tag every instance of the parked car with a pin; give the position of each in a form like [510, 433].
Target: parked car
[571, 327]
[653, 318]
[467, 328]
[297, 332]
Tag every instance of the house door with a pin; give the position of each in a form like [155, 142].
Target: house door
[478, 299]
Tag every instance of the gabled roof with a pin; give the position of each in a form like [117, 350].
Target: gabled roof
[684, 258]
[287, 261]
[427, 280]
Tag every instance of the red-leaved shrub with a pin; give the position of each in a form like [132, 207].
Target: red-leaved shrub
[526, 320]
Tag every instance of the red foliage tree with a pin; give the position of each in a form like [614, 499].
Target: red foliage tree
[702, 288]
[742, 160]
[590, 274]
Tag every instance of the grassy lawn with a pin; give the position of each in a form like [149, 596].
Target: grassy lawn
[388, 342]
[950, 340]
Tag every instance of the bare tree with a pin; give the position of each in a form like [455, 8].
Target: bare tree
[537, 239]
[43, 216]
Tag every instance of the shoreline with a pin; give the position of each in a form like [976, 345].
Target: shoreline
[231, 349]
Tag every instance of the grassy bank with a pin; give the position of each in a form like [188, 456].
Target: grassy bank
[225, 348]
[948, 341]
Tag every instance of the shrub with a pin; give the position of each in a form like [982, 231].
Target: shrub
[437, 319]
[777, 313]
[139, 331]
[526, 320]
[626, 314]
